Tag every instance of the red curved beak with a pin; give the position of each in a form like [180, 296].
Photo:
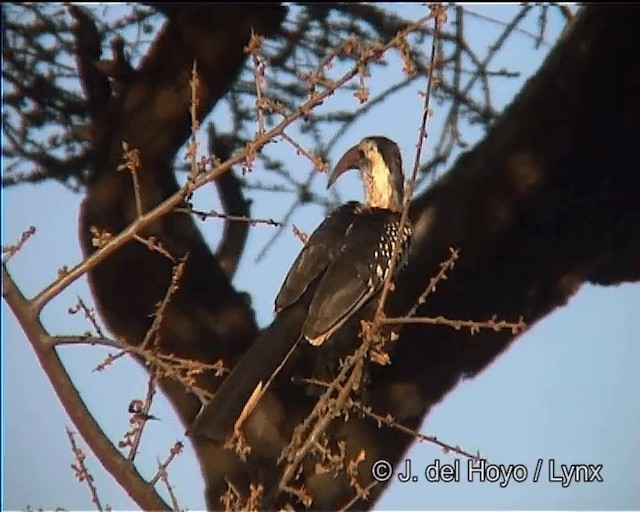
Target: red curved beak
[350, 160]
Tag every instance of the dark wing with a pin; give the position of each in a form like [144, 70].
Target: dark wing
[355, 274]
[321, 248]
[270, 351]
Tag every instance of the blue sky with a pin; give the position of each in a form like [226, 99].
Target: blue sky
[567, 390]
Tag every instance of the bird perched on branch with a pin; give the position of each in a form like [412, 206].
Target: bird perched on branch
[341, 268]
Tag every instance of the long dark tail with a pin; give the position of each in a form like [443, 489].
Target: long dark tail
[257, 367]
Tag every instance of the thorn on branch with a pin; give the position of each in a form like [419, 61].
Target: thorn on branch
[202, 215]
[175, 450]
[437, 15]
[180, 369]
[131, 163]
[153, 244]
[163, 475]
[301, 493]
[445, 267]
[356, 497]
[81, 471]
[473, 326]
[11, 250]
[362, 93]
[318, 163]
[107, 361]
[439, 12]
[408, 64]
[192, 146]
[89, 314]
[254, 45]
[353, 472]
[158, 316]
[389, 421]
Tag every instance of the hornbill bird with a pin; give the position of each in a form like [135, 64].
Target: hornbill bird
[341, 267]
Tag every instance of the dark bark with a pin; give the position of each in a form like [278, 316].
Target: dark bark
[206, 319]
[547, 202]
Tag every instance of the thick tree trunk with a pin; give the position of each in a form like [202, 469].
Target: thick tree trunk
[546, 202]
[207, 319]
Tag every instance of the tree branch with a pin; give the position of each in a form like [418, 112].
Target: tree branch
[546, 202]
[234, 234]
[111, 459]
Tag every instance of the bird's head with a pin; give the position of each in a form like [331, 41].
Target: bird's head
[380, 165]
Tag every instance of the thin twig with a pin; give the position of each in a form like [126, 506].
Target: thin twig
[109, 360]
[158, 316]
[137, 192]
[445, 267]
[178, 197]
[176, 450]
[81, 471]
[389, 421]
[473, 326]
[84, 340]
[180, 369]
[89, 314]
[163, 475]
[11, 250]
[324, 410]
[333, 407]
[112, 460]
[169, 364]
[192, 148]
[154, 244]
[490, 19]
[233, 218]
[253, 48]
[317, 162]
[132, 164]
[565, 10]
[356, 497]
[437, 14]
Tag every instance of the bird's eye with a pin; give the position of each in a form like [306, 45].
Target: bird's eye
[367, 151]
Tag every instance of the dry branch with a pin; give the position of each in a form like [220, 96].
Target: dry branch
[546, 202]
[110, 458]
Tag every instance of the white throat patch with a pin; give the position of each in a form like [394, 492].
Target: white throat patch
[377, 183]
